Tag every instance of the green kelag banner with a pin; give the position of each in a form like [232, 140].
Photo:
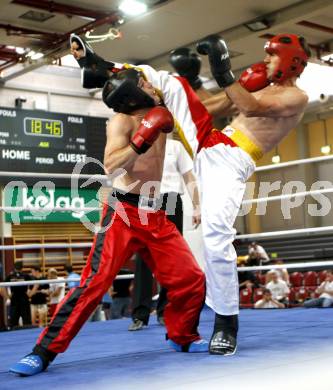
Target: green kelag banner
[46, 199]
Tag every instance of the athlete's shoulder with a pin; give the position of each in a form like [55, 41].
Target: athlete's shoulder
[120, 124]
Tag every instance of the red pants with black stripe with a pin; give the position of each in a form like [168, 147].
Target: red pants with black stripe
[166, 253]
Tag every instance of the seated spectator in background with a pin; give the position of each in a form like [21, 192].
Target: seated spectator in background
[71, 275]
[19, 300]
[282, 273]
[97, 314]
[247, 279]
[268, 302]
[56, 290]
[121, 296]
[325, 290]
[257, 254]
[279, 288]
[107, 303]
[38, 299]
[4, 293]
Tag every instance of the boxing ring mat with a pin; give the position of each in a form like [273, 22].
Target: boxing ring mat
[278, 349]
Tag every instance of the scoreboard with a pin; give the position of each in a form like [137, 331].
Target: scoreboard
[48, 142]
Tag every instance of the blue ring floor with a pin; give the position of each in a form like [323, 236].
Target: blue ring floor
[278, 350]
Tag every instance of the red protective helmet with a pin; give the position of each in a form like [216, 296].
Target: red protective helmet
[293, 58]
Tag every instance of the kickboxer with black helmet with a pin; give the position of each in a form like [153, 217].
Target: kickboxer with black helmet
[132, 221]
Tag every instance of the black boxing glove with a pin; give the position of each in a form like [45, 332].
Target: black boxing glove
[95, 69]
[157, 120]
[187, 64]
[94, 78]
[219, 60]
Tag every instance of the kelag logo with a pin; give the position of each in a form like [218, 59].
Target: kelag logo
[44, 199]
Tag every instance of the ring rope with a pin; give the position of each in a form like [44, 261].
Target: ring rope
[279, 233]
[314, 264]
[310, 264]
[288, 196]
[54, 245]
[294, 162]
[49, 209]
[48, 281]
[105, 177]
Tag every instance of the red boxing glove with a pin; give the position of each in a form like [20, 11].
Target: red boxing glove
[157, 120]
[254, 78]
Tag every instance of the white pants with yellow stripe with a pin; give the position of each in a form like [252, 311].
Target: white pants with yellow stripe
[222, 172]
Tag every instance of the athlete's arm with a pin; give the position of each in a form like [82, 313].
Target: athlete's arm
[192, 189]
[220, 105]
[118, 153]
[288, 103]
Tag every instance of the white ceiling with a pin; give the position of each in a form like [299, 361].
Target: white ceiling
[176, 23]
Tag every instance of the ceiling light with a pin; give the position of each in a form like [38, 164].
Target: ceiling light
[276, 159]
[37, 56]
[258, 25]
[133, 7]
[326, 149]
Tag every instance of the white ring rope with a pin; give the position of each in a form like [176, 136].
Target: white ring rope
[105, 177]
[40, 175]
[48, 281]
[288, 196]
[54, 245]
[314, 264]
[310, 264]
[294, 162]
[48, 209]
[280, 233]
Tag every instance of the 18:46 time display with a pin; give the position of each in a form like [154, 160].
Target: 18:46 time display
[43, 127]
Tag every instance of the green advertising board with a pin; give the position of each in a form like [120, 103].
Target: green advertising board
[48, 198]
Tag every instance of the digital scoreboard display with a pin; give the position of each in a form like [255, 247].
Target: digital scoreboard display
[48, 142]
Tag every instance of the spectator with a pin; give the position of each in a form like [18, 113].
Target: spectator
[257, 254]
[1, 269]
[56, 290]
[247, 279]
[282, 273]
[121, 293]
[325, 290]
[38, 299]
[4, 293]
[279, 288]
[268, 302]
[97, 314]
[107, 303]
[71, 275]
[19, 300]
